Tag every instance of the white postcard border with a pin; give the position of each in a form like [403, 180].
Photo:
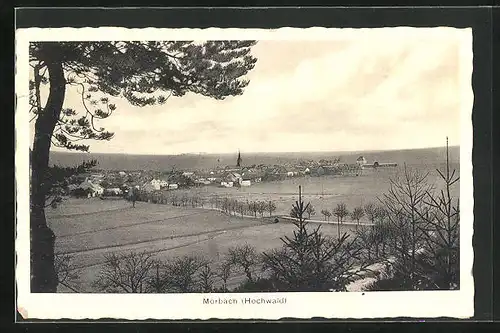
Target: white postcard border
[423, 304]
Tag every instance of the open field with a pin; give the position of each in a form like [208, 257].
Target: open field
[163, 230]
[323, 192]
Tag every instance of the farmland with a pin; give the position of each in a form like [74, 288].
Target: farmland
[164, 230]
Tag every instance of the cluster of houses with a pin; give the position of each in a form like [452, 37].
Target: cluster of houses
[91, 186]
[120, 183]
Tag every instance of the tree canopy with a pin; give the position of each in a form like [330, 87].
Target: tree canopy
[144, 73]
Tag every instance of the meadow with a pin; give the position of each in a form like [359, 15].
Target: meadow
[163, 230]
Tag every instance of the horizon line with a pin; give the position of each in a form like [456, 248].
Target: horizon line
[256, 152]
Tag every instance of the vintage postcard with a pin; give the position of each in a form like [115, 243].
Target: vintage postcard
[244, 173]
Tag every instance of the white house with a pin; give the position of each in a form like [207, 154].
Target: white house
[307, 170]
[95, 190]
[245, 183]
[226, 184]
[173, 186]
[156, 184]
[148, 187]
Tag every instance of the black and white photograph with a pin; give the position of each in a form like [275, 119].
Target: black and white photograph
[244, 173]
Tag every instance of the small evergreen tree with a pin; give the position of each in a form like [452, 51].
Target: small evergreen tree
[310, 261]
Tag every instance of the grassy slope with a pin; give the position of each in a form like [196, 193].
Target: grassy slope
[163, 230]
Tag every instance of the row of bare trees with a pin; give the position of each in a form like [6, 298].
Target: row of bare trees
[227, 205]
[371, 211]
[142, 272]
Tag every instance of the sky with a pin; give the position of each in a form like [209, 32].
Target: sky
[368, 91]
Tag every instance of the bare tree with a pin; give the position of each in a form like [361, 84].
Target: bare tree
[224, 272]
[271, 207]
[213, 201]
[403, 204]
[245, 257]
[124, 273]
[253, 207]
[310, 211]
[156, 282]
[181, 273]
[440, 259]
[233, 206]
[67, 274]
[327, 214]
[340, 212]
[173, 199]
[261, 207]
[184, 200]
[225, 205]
[240, 207]
[370, 211]
[207, 277]
[357, 214]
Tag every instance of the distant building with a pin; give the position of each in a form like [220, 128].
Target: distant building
[238, 161]
[233, 177]
[226, 183]
[361, 160]
[93, 189]
[148, 187]
[173, 186]
[245, 183]
[156, 184]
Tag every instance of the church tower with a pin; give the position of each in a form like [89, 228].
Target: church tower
[238, 161]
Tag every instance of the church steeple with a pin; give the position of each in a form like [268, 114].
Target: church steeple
[238, 161]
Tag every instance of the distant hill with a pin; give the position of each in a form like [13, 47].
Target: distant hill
[206, 161]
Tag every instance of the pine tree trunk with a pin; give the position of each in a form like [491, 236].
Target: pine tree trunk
[43, 275]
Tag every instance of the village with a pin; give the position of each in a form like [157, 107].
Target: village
[113, 183]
